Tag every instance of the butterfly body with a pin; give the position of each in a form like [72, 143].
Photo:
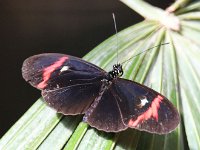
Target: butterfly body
[73, 86]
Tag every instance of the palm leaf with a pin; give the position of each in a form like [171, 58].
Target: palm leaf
[172, 70]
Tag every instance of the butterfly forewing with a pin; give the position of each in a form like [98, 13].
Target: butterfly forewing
[68, 84]
[145, 109]
[40, 70]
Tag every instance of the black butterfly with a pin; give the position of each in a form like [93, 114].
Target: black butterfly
[73, 86]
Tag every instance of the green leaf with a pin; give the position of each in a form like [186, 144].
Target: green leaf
[172, 70]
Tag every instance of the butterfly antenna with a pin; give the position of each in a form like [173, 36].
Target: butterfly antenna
[145, 51]
[114, 21]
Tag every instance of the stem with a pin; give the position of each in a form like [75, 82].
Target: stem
[154, 13]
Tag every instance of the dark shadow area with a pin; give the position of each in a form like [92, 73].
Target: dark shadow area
[33, 27]
[71, 121]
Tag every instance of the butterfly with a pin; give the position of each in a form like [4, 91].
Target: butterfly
[73, 86]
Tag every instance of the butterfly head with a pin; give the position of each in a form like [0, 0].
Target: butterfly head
[117, 71]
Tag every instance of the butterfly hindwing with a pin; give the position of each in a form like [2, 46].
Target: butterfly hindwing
[104, 114]
[145, 109]
[72, 100]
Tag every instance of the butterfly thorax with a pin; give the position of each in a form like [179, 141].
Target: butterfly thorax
[117, 71]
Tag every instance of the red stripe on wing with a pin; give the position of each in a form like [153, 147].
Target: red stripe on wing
[49, 70]
[151, 112]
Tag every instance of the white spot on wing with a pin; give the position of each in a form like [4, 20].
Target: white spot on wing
[64, 68]
[144, 101]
